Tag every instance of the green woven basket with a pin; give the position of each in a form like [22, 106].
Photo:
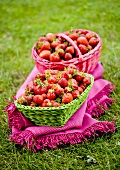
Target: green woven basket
[54, 116]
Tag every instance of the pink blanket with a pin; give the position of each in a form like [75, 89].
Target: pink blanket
[80, 127]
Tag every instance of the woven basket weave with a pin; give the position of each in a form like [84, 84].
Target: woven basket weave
[85, 63]
[54, 116]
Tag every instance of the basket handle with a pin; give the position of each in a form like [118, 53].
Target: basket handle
[72, 42]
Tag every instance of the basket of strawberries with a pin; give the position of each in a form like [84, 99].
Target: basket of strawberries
[52, 97]
[56, 51]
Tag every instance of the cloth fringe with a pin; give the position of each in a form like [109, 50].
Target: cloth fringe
[15, 117]
[27, 139]
[97, 105]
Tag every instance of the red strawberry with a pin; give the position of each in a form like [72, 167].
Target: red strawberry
[89, 35]
[93, 41]
[67, 89]
[82, 40]
[51, 95]
[44, 96]
[67, 98]
[40, 90]
[54, 57]
[41, 39]
[45, 46]
[73, 83]
[82, 86]
[32, 104]
[52, 80]
[22, 100]
[40, 75]
[73, 36]
[46, 103]
[87, 80]
[50, 37]
[75, 94]
[60, 46]
[70, 50]
[68, 56]
[56, 104]
[29, 99]
[60, 52]
[59, 90]
[79, 77]
[50, 86]
[38, 51]
[55, 43]
[29, 88]
[65, 74]
[63, 82]
[89, 47]
[45, 54]
[80, 89]
[38, 99]
[83, 48]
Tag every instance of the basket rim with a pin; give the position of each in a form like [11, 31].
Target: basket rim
[60, 107]
[81, 57]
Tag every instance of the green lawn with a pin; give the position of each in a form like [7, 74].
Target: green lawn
[21, 23]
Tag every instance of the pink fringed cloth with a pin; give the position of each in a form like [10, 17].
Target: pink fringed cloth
[80, 127]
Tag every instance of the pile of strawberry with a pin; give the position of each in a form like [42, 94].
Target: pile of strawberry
[56, 49]
[55, 88]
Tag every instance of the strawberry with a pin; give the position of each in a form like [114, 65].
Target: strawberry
[45, 54]
[67, 98]
[46, 103]
[60, 46]
[63, 82]
[38, 99]
[89, 35]
[73, 36]
[82, 86]
[22, 100]
[51, 95]
[68, 56]
[93, 41]
[52, 80]
[41, 76]
[75, 94]
[67, 89]
[72, 83]
[45, 46]
[80, 89]
[59, 90]
[40, 90]
[86, 80]
[29, 98]
[50, 37]
[79, 76]
[89, 47]
[65, 74]
[54, 57]
[41, 39]
[82, 40]
[60, 52]
[70, 50]
[56, 104]
[83, 48]
[44, 96]
[55, 43]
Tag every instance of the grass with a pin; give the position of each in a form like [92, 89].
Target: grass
[22, 22]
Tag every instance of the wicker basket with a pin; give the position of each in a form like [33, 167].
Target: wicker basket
[85, 63]
[54, 116]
